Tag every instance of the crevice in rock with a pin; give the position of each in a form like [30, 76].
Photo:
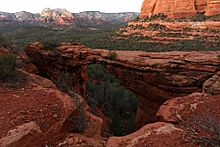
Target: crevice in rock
[108, 99]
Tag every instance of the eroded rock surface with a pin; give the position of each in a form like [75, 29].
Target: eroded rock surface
[179, 8]
[193, 105]
[24, 135]
[212, 85]
[154, 135]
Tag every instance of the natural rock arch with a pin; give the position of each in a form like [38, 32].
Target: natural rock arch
[152, 77]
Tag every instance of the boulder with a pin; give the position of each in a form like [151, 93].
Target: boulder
[187, 108]
[79, 140]
[3, 51]
[212, 85]
[154, 135]
[22, 136]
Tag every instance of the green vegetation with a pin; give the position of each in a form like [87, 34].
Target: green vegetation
[49, 45]
[199, 17]
[103, 37]
[77, 119]
[151, 27]
[155, 17]
[117, 103]
[137, 27]
[112, 55]
[156, 27]
[7, 66]
[4, 42]
[9, 70]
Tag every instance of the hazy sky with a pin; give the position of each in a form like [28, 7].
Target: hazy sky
[36, 6]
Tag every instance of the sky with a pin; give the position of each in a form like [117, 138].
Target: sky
[74, 6]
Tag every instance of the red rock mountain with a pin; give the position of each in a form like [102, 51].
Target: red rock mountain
[179, 8]
[63, 16]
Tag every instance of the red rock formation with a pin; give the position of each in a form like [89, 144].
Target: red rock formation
[193, 105]
[60, 16]
[174, 9]
[153, 77]
[213, 7]
[179, 8]
[3, 51]
[38, 100]
[158, 134]
[23, 135]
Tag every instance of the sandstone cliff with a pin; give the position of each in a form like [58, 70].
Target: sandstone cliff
[179, 8]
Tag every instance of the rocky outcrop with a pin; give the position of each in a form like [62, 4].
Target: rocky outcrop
[153, 135]
[36, 100]
[24, 135]
[3, 51]
[32, 100]
[213, 7]
[179, 8]
[78, 140]
[60, 16]
[152, 77]
[26, 16]
[187, 108]
[22, 16]
[212, 85]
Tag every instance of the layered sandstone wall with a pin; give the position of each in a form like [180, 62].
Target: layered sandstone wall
[179, 8]
[213, 7]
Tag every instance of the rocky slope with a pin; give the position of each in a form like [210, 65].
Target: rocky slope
[179, 8]
[35, 113]
[168, 33]
[160, 76]
[62, 16]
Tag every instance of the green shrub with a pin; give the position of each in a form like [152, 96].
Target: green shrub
[136, 27]
[50, 44]
[64, 81]
[77, 120]
[117, 103]
[199, 17]
[159, 16]
[156, 27]
[7, 66]
[4, 42]
[112, 55]
[9, 72]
